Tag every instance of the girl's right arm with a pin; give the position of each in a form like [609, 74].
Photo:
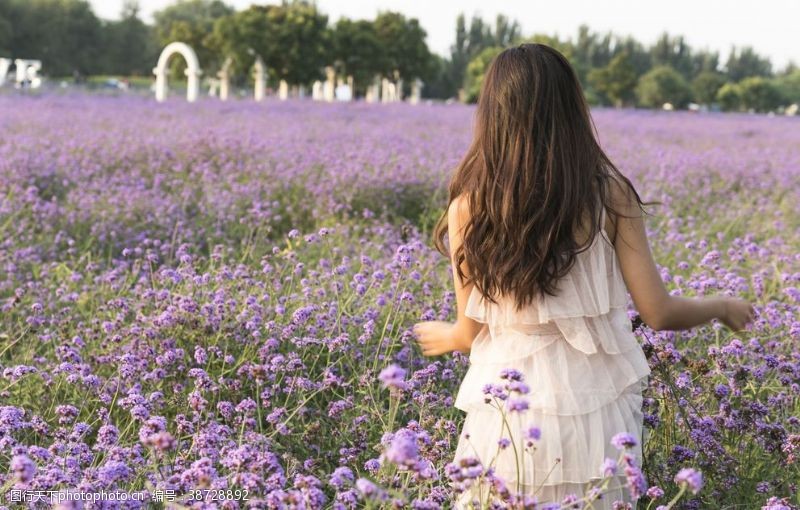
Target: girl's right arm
[656, 307]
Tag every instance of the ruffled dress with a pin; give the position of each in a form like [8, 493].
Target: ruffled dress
[586, 373]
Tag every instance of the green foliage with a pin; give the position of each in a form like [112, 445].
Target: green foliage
[64, 34]
[706, 85]
[729, 97]
[403, 42]
[440, 82]
[673, 52]
[616, 80]
[476, 71]
[553, 41]
[291, 38]
[5, 30]
[449, 74]
[759, 94]
[746, 62]
[663, 84]
[357, 51]
[130, 45]
[789, 86]
[191, 21]
[296, 42]
[590, 50]
[636, 54]
[704, 61]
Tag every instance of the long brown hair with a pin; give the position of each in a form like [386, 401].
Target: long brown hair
[532, 177]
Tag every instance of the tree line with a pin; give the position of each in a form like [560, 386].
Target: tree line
[297, 40]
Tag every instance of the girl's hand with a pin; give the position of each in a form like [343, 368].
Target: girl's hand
[736, 313]
[436, 337]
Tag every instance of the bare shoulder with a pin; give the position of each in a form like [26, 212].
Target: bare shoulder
[458, 212]
[622, 197]
[622, 205]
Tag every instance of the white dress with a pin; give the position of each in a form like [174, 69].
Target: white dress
[586, 373]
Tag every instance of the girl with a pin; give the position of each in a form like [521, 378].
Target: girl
[545, 234]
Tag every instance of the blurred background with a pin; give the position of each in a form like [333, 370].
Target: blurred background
[205, 295]
[680, 54]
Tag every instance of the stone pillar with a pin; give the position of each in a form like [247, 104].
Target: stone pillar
[373, 94]
[330, 84]
[260, 72]
[416, 91]
[224, 79]
[283, 90]
[213, 87]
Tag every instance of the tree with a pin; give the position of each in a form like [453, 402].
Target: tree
[476, 70]
[789, 85]
[706, 85]
[616, 81]
[130, 47]
[663, 84]
[439, 84]
[704, 61]
[506, 31]
[357, 50]
[5, 29]
[759, 94]
[191, 21]
[292, 39]
[590, 50]
[469, 43]
[673, 52]
[240, 36]
[746, 62]
[729, 97]
[404, 47]
[64, 34]
[637, 55]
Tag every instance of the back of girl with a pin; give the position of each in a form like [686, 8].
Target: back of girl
[546, 238]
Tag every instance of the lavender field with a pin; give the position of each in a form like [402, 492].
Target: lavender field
[218, 297]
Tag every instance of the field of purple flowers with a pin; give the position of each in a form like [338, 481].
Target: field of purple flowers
[215, 299]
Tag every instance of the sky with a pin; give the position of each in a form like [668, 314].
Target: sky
[769, 26]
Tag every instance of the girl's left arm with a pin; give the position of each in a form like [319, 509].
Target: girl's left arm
[439, 337]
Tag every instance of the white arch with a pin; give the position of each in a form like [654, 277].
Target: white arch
[5, 65]
[193, 71]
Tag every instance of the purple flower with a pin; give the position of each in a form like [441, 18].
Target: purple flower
[517, 405]
[511, 374]
[22, 468]
[341, 477]
[393, 377]
[534, 433]
[691, 477]
[403, 449]
[368, 489]
[623, 440]
[609, 467]
[774, 503]
[636, 482]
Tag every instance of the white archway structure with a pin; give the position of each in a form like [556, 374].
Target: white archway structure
[193, 71]
[5, 65]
